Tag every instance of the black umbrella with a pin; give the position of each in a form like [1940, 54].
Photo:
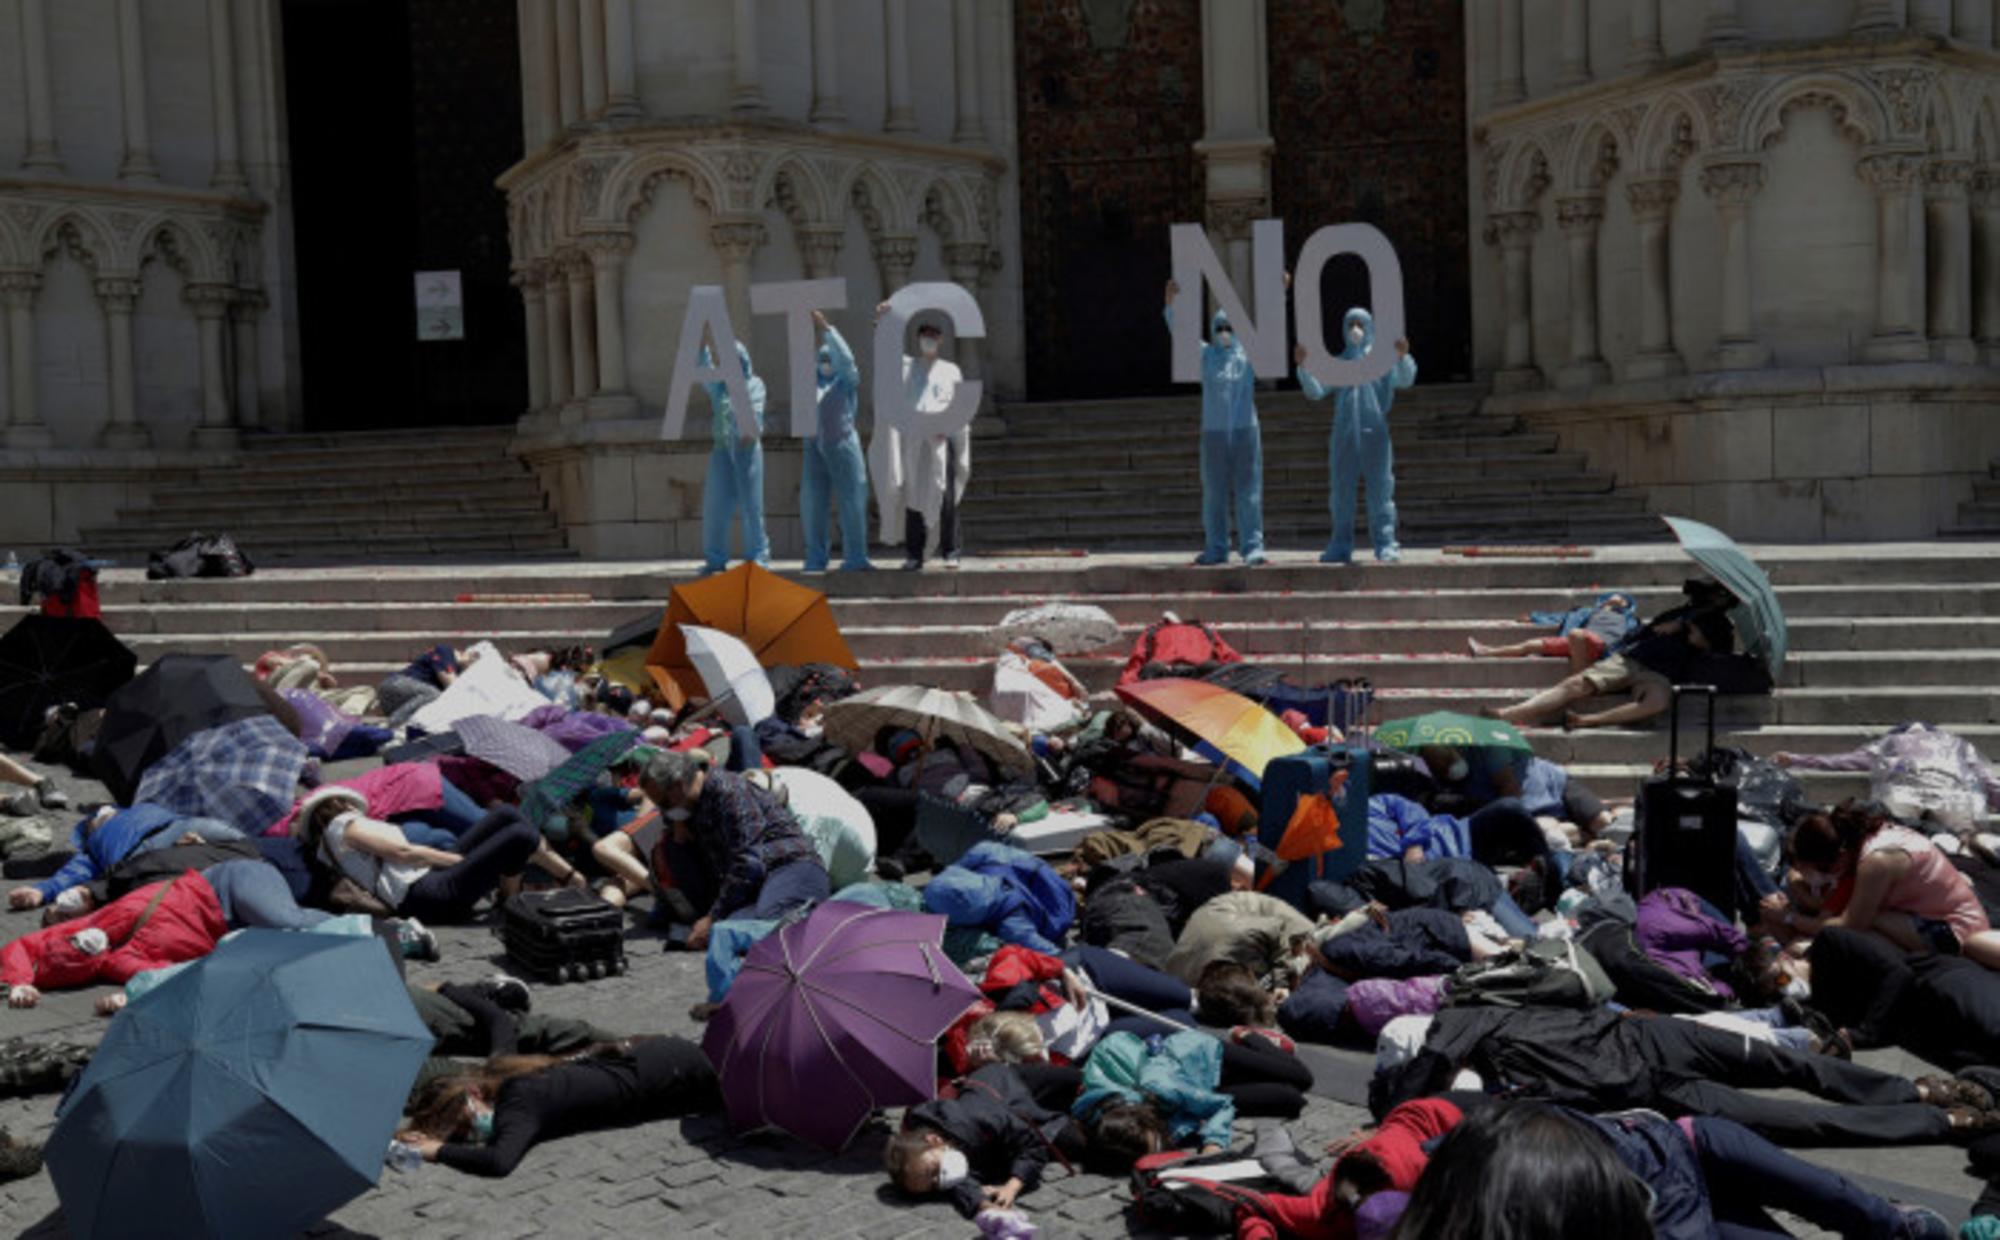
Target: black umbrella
[176, 697]
[48, 660]
[639, 632]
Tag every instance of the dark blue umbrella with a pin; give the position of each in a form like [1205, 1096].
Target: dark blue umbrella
[247, 1096]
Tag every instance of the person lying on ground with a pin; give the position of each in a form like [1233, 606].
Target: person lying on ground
[1917, 772]
[1142, 1095]
[40, 790]
[1248, 927]
[163, 924]
[732, 848]
[412, 880]
[1583, 635]
[1500, 833]
[1943, 1008]
[1893, 881]
[485, 1121]
[991, 1138]
[112, 835]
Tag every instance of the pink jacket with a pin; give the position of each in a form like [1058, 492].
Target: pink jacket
[391, 790]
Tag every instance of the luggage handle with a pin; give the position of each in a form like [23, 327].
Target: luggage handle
[1674, 726]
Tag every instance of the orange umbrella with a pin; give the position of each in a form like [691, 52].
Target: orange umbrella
[1244, 733]
[782, 622]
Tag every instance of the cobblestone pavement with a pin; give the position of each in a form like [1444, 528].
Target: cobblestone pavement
[694, 1177]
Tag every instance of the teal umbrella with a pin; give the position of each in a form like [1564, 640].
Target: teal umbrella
[1759, 621]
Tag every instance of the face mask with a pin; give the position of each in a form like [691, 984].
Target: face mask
[929, 344]
[1225, 337]
[70, 902]
[678, 814]
[482, 1124]
[1459, 770]
[1357, 333]
[826, 370]
[91, 942]
[1798, 988]
[952, 1166]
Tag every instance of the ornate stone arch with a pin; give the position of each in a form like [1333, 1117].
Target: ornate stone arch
[1858, 109]
[1947, 133]
[793, 185]
[1594, 158]
[1525, 176]
[1675, 129]
[1985, 128]
[947, 211]
[168, 239]
[78, 232]
[629, 189]
[869, 192]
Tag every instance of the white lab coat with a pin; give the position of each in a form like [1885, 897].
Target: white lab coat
[929, 384]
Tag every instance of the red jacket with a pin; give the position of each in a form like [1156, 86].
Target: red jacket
[1009, 967]
[1397, 1147]
[185, 926]
[1186, 642]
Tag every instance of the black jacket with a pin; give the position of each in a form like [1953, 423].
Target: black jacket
[1594, 1060]
[1003, 1132]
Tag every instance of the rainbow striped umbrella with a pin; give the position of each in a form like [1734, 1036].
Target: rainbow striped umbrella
[1244, 733]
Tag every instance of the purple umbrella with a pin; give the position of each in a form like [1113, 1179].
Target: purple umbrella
[524, 753]
[835, 1017]
[321, 726]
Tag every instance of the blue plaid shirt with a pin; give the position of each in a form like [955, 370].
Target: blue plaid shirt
[744, 835]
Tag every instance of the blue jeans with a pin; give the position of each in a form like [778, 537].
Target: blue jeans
[1232, 466]
[836, 475]
[735, 487]
[254, 895]
[441, 827]
[209, 830]
[1360, 445]
[1747, 1174]
[1512, 918]
[790, 887]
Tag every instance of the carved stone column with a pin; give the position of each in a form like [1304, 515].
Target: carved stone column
[120, 297]
[1723, 23]
[827, 109]
[899, 116]
[210, 303]
[1874, 16]
[590, 55]
[549, 69]
[556, 310]
[582, 327]
[968, 126]
[1898, 333]
[1986, 257]
[535, 313]
[1236, 144]
[1972, 22]
[1948, 235]
[569, 63]
[737, 241]
[244, 309]
[1579, 219]
[1643, 49]
[608, 253]
[42, 151]
[1514, 232]
[621, 74]
[25, 428]
[1229, 220]
[895, 254]
[746, 91]
[1652, 205]
[1574, 70]
[1732, 187]
[1510, 85]
[819, 249]
[222, 82]
[137, 163]
[1931, 17]
[966, 261]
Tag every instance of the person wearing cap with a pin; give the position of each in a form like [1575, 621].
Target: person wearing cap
[413, 880]
[935, 467]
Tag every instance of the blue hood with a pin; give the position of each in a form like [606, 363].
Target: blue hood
[742, 355]
[1349, 349]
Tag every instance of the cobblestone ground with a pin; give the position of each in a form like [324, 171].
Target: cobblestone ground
[694, 1177]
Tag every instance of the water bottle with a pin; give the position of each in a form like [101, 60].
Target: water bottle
[404, 1157]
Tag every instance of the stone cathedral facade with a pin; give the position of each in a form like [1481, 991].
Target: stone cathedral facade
[1743, 253]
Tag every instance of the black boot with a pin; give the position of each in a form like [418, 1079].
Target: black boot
[913, 540]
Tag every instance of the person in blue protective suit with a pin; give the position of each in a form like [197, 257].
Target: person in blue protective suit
[735, 475]
[833, 461]
[1360, 441]
[1232, 446]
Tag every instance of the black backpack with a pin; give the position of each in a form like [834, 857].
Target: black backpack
[200, 555]
[1169, 1193]
[1545, 973]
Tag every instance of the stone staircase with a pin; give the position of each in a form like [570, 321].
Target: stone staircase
[380, 497]
[1979, 517]
[1124, 475]
[1880, 633]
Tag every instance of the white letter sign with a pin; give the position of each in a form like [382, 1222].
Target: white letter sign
[708, 312]
[1385, 294]
[796, 300]
[891, 402]
[1263, 337]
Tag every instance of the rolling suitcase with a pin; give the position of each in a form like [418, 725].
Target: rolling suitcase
[563, 936]
[1286, 780]
[1685, 829]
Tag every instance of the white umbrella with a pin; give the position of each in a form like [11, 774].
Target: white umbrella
[736, 682]
[840, 826]
[931, 713]
[1068, 628]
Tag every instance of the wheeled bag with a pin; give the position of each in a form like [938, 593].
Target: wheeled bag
[1287, 780]
[564, 935]
[1685, 830]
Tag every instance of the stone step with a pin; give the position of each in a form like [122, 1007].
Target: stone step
[381, 455]
[1181, 497]
[1070, 473]
[1290, 487]
[254, 489]
[204, 512]
[422, 436]
[1127, 450]
[325, 549]
[1427, 397]
[1000, 525]
[281, 527]
[1619, 782]
[444, 474]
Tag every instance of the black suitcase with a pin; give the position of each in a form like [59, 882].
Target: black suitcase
[1685, 828]
[564, 935]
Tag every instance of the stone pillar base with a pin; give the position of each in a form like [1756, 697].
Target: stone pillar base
[1525, 379]
[216, 438]
[1900, 347]
[1989, 352]
[125, 437]
[1957, 350]
[1655, 366]
[571, 413]
[27, 437]
[1584, 374]
[1739, 355]
[611, 406]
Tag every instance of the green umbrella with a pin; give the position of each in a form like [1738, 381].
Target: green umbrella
[1443, 727]
[1758, 619]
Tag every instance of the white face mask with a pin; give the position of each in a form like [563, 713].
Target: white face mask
[929, 344]
[1225, 337]
[1458, 770]
[91, 942]
[1357, 333]
[953, 1166]
[826, 370]
[677, 814]
[1798, 988]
